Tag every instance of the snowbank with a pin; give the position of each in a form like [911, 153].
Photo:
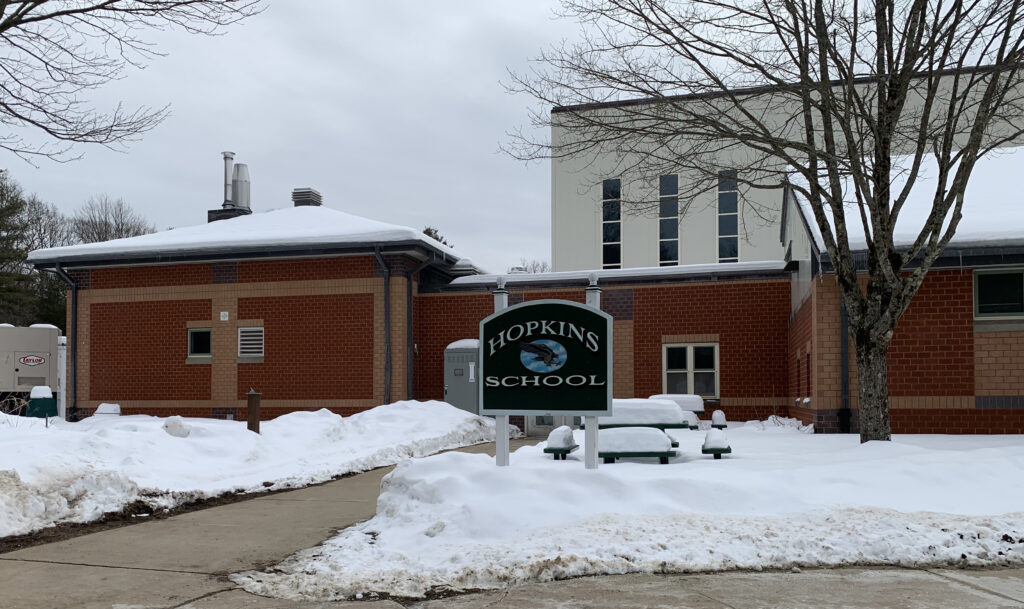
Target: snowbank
[456, 522]
[76, 472]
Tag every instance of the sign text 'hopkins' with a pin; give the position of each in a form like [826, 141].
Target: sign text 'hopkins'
[546, 357]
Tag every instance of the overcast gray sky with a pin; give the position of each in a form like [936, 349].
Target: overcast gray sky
[392, 110]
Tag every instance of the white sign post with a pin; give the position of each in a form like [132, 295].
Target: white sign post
[501, 420]
[546, 357]
[590, 435]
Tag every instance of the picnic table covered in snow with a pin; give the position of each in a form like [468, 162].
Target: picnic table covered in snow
[687, 401]
[663, 414]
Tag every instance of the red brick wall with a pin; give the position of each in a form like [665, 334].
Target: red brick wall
[137, 351]
[305, 269]
[317, 347]
[806, 415]
[151, 276]
[939, 420]
[440, 320]
[749, 317]
[799, 337]
[932, 351]
[578, 295]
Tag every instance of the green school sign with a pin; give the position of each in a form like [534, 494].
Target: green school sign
[546, 357]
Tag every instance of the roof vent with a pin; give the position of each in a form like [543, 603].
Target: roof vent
[236, 191]
[240, 185]
[306, 196]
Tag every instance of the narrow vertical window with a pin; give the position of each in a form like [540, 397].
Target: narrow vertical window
[728, 218]
[611, 224]
[668, 220]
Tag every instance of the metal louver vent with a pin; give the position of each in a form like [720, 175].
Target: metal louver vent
[250, 342]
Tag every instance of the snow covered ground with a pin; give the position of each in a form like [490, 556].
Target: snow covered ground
[76, 472]
[783, 498]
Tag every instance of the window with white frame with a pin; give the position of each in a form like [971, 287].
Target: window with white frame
[728, 216]
[250, 342]
[668, 220]
[690, 368]
[611, 224]
[999, 293]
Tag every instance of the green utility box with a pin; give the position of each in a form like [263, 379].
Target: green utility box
[41, 403]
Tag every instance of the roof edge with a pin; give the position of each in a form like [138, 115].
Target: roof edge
[244, 253]
[742, 91]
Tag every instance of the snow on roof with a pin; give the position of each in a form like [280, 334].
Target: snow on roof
[283, 228]
[651, 272]
[993, 214]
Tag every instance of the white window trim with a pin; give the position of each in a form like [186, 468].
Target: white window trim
[718, 216]
[978, 316]
[689, 363]
[679, 255]
[262, 341]
[600, 228]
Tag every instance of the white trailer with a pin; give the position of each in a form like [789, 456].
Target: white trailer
[29, 357]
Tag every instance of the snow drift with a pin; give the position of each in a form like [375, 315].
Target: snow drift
[76, 472]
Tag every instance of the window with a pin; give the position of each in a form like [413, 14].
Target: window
[999, 293]
[668, 220]
[199, 342]
[690, 369]
[728, 217]
[611, 224]
[250, 342]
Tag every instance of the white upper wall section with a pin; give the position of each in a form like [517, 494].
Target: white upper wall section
[576, 216]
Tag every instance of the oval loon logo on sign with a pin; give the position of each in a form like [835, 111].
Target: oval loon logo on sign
[542, 355]
[32, 360]
[546, 357]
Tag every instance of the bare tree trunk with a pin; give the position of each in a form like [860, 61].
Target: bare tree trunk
[873, 388]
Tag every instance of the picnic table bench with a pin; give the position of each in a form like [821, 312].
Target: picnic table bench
[656, 414]
[686, 401]
[560, 452]
[716, 444]
[621, 442]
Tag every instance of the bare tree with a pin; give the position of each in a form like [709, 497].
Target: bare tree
[530, 266]
[844, 102]
[45, 225]
[53, 52]
[103, 218]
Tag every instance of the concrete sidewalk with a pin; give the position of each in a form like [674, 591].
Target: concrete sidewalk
[182, 562]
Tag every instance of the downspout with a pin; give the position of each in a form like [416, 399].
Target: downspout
[72, 342]
[844, 364]
[411, 347]
[387, 323]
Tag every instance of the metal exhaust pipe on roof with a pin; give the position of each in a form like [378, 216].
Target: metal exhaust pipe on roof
[229, 158]
[240, 185]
